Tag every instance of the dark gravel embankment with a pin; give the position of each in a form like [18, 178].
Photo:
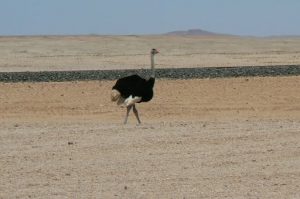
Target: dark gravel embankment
[178, 73]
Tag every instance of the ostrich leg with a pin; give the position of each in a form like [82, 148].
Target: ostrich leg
[136, 114]
[127, 114]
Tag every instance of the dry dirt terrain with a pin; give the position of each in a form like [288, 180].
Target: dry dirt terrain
[199, 138]
[132, 52]
[209, 138]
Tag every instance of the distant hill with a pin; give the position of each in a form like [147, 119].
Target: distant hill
[193, 32]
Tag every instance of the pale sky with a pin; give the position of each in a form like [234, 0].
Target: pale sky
[122, 17]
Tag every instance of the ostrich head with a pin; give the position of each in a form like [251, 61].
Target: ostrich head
[154, 51]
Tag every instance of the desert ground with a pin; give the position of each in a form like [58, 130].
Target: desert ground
[199, 138]
[132, 52]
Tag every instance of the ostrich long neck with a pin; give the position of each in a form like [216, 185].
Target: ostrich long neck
[152, 66]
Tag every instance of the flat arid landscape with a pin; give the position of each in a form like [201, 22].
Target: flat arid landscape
[132, 52]
[199, 138]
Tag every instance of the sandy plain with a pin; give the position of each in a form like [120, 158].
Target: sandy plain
[132, 52]
[200, 138]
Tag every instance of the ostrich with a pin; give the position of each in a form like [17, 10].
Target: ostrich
[134, 89]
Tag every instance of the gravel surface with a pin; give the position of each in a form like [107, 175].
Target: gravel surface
[170, 73]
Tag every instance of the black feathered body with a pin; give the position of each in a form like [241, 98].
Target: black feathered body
[136, 86]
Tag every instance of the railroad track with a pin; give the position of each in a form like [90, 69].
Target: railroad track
[167, 73]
